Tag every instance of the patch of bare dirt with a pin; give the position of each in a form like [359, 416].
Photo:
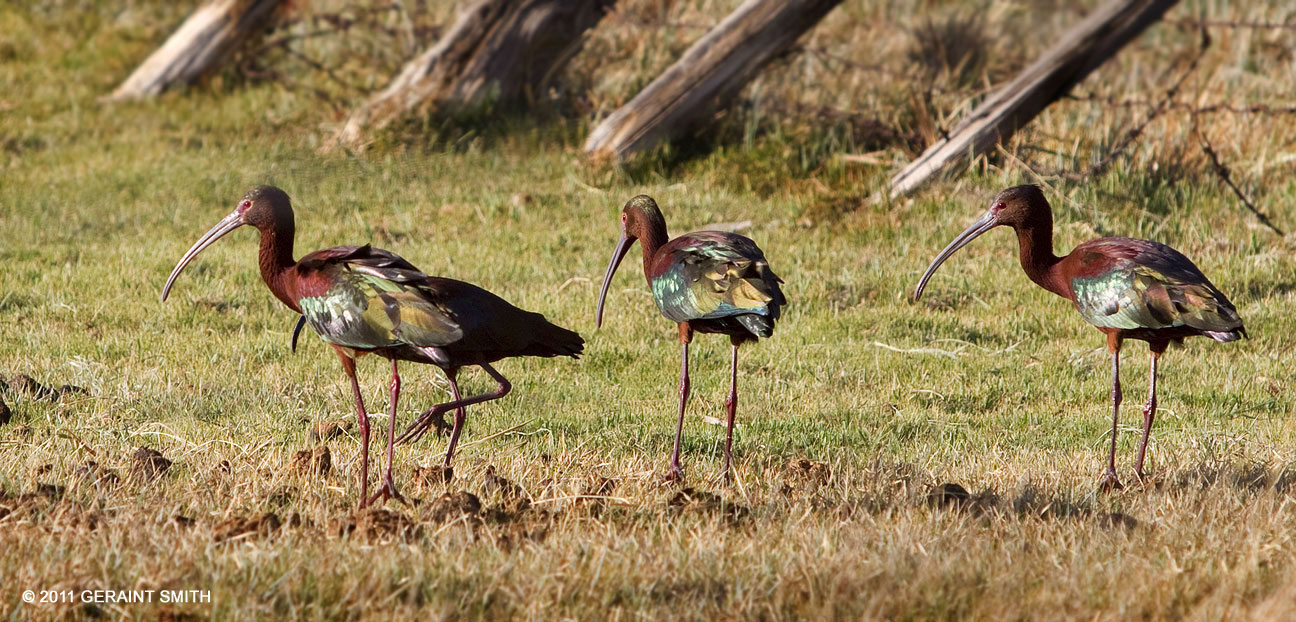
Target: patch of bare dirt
[317, 461]
[5, 413]
[148, 464]
[243, 528]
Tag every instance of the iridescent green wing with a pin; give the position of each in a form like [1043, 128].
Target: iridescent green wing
[712, 274]
[1146, 285]
[374, 299]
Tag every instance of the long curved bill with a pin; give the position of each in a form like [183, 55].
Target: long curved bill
[618, 253]
[226, 225]
[983, 224]
[301, 321]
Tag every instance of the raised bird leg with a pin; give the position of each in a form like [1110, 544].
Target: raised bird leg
[676, 473]
[421, 425]
[1149, 410]
[731, 405]
[461, 415]
[388, 488]
[348, 365]
[1110, 481]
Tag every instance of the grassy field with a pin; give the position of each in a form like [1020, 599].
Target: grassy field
[861, 406]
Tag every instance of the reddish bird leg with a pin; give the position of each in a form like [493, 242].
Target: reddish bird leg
[1149, 410]
[420, 426]
[388, 488]
[676, 473]
[348, 365]
[1110, 481]
[731, 405]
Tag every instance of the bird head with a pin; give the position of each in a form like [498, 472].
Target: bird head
[1014, 207]
[639, 218]
[264, 207]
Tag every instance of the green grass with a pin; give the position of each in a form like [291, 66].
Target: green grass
[989, 382]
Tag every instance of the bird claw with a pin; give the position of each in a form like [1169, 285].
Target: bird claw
[1110, 482]
[386, 491]
[420, 426]
[674, 475]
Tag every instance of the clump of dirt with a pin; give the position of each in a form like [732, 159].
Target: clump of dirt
[5, 413]
[41, 470]
[1030, 502]
[433, 477]
[243, 528]
[594, 493]
[326, 431]
[378, 524]
[282, 495]
[948, 494]
[149, 464]
[317, 461]
[1116, 520]
[47, 507]
[170, 614]
[451, 506]
[182, 521]
[804, 475]
[690, 500]
[954, 496]
[224, 467]
[93, 474]
[496, 483]
[22, 431]
[29, 387]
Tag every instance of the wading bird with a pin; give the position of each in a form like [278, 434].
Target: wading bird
[707, 282]
[363, 300]
[1127, 288]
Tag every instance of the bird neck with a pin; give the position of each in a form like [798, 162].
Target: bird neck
[651, 238]
[276, 260]
[1035, 246]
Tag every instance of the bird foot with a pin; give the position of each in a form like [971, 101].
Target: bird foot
[420, 426]
[725, 477]
[674, 475]
[1110, 482]
[386, 491]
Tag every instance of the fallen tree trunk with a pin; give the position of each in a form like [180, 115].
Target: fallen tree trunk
[708, 75]
[205, 40]
[1083, 49]
[507, 49]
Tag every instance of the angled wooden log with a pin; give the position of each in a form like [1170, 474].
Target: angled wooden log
[202, 43]
[708, 75]
[1083, 49]
[507, 49]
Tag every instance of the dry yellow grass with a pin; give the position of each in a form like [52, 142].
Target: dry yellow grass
[859, 408]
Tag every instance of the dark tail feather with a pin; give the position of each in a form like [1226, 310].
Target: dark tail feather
[759, 325]
[553, 340]
[1225, 336]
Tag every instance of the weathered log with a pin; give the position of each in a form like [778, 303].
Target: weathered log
[503, 49]
[708, 75]
[1087, 46]
[202, 43]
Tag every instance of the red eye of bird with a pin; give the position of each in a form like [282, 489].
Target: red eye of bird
[243, 207]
